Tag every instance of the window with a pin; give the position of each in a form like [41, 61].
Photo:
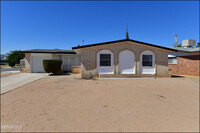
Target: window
[172, 60]
[147, 60]
[105, 59]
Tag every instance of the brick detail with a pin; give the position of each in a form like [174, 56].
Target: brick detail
[186, 65]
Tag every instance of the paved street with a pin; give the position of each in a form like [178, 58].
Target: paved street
[12, 82]
[10, 69]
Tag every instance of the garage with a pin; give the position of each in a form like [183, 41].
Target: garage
[126, 62]
[34, 59]
[37, 62]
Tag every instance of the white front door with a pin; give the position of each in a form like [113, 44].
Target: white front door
[126, 62]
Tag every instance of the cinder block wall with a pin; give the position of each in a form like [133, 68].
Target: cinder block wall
[186, 65]
[89, 58]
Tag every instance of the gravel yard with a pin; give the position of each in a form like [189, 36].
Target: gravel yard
[67, 103]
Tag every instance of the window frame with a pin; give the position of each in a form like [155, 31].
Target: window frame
[171, 58]
[104, 60]
[147, 60]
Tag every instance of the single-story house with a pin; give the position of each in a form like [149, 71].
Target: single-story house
[33, 61]
[185, 62]
[115, 58]
[124, 58]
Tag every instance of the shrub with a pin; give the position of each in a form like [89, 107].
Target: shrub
[11, 63]
[52, 65]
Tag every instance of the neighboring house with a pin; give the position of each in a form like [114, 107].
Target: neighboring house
[123, 58]
[185, 62]
[34, 59]
[3, 58]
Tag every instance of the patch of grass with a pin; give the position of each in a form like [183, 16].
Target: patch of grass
[4, 65]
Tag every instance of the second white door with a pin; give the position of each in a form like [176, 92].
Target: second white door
[67, 62]
[126, 62]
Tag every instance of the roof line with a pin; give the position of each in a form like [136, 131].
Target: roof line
[103, 43]
[186, 50]
[51, 51]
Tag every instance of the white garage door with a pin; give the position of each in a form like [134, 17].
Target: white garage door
[37, 62]
[126, 62]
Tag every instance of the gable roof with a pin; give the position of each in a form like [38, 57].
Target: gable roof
[55, 51]
[124, 40]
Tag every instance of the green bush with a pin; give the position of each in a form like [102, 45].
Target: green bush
[52, 65]
[11, 63]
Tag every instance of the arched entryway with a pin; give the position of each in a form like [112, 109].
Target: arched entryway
[126, 62]
[105, 60]
[147, 62]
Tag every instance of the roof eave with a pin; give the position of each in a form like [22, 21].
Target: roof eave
[104, 43]
[98, 44]
[48, 52]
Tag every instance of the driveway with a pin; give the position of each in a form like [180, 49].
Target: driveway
[12, 82]
[69, 104]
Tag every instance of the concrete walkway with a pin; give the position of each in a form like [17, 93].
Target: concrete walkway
[12, 82]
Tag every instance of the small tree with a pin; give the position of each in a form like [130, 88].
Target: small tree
[180, 45]
[198, 45]
[15, 57]
[52, 66]
[11, 63]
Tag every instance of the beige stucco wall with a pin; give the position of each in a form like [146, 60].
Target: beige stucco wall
[89, 57]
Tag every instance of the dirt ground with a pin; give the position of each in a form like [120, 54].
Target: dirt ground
[66, 103]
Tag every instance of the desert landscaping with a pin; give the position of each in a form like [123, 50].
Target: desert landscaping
[68, 103]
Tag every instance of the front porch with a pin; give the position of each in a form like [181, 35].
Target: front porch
[125, 75]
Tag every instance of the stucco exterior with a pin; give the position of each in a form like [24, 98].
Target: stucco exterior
[89, 58]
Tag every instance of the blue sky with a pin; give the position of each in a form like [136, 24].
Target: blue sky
[64, 24]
